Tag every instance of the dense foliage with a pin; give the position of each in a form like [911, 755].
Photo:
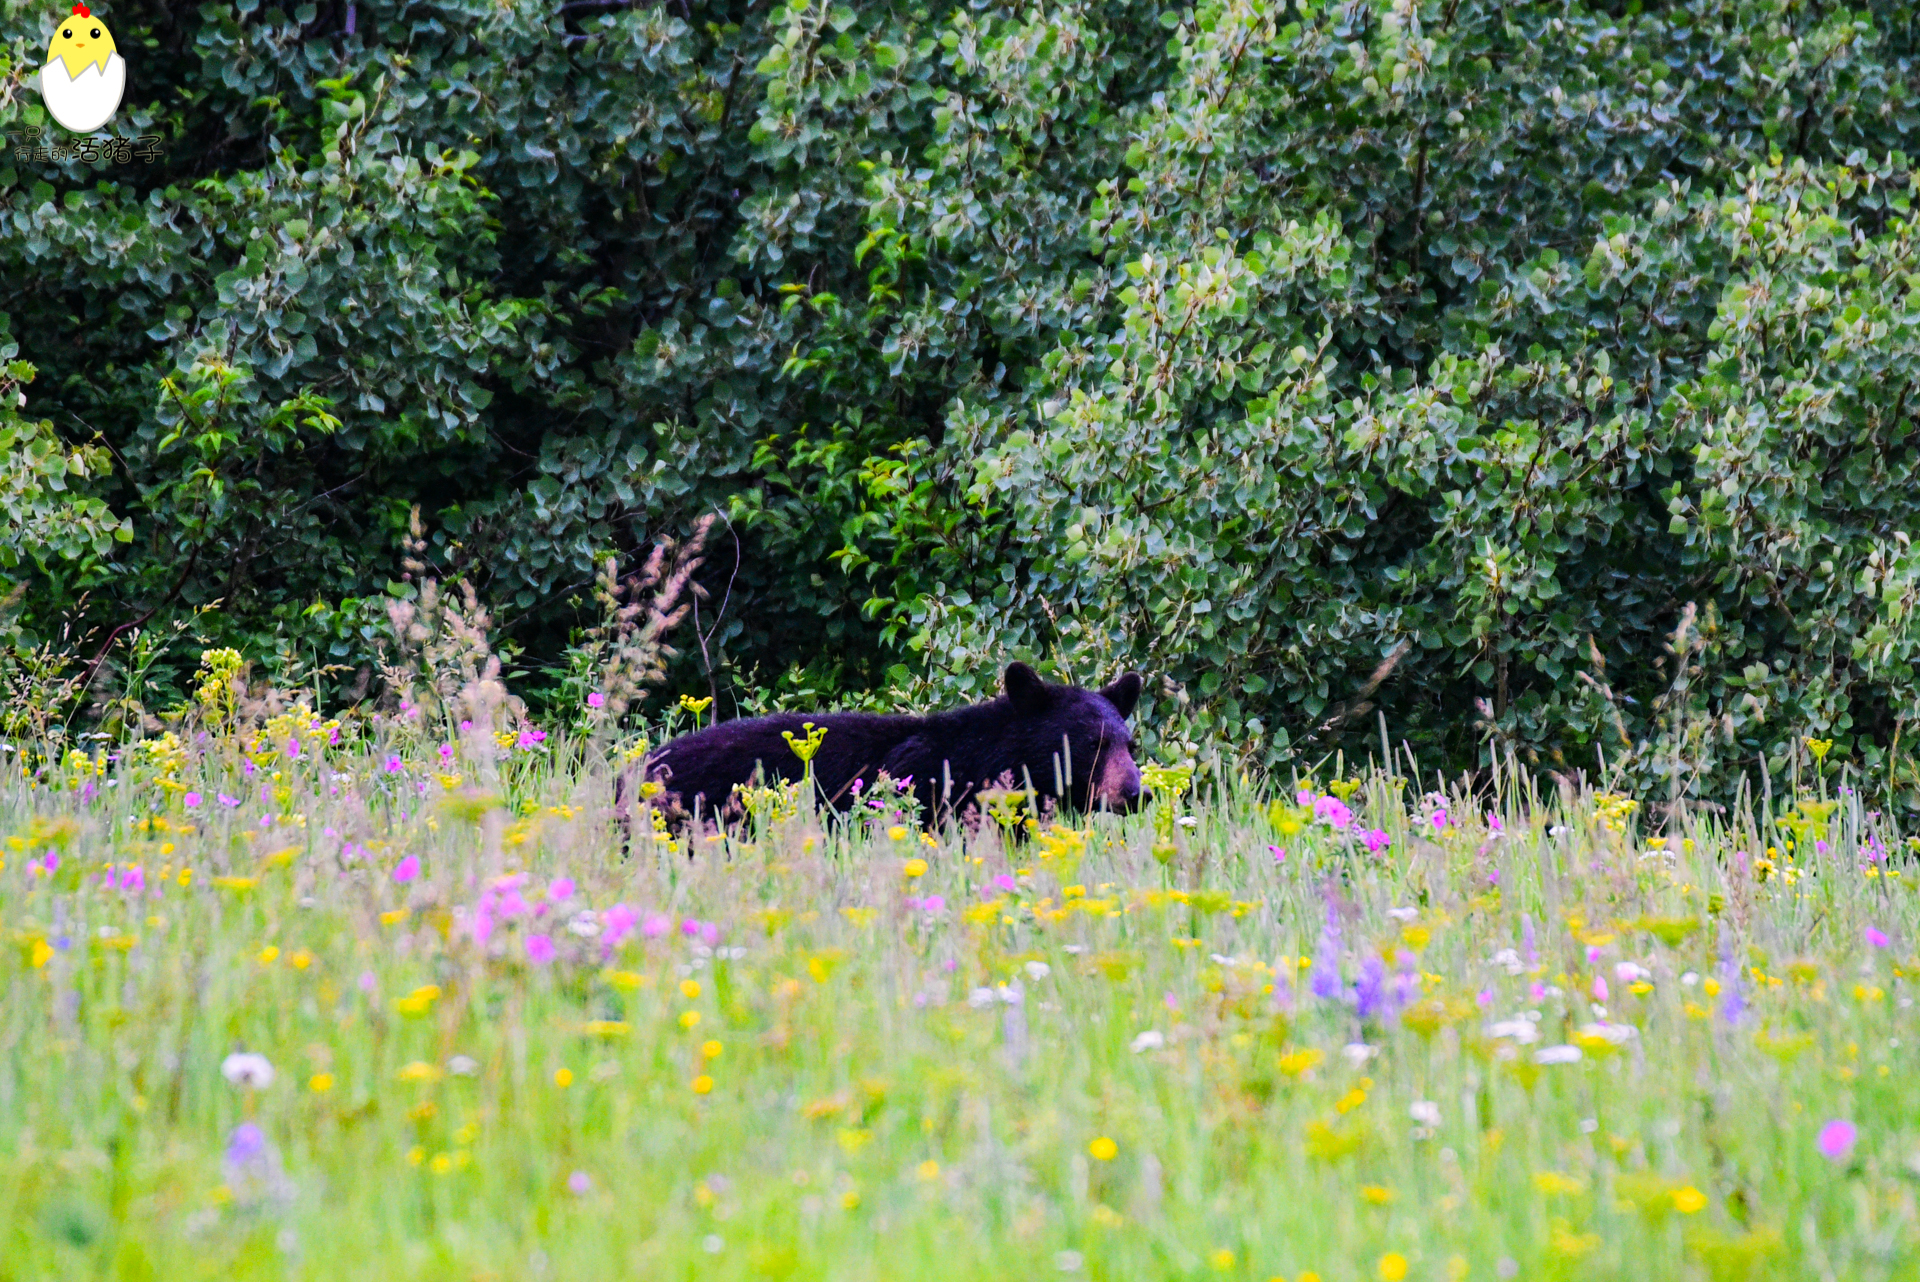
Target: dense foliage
[1564, 350]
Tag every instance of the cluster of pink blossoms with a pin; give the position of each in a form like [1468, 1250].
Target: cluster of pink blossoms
[1336, 814]
[503, 901]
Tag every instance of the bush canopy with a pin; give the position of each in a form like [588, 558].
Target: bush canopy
[1562, 354]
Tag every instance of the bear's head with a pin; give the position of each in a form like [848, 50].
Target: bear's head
[1074, 743]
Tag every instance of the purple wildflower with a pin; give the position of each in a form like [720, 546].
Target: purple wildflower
[1876, 937]
[225, 800]
[656, 925]
[192, 800]
[393, 763]
[1369, 989]
[246, 1145]
[1326, 963]
[539, 949]
[407, 869]
[560, 889]
[1377, 840]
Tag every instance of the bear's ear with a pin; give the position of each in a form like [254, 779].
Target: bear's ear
[1124, 692]
[1025, 690]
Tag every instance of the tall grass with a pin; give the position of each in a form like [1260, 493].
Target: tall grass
[854, 1051]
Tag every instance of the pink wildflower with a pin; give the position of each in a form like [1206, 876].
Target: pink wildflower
[1333, 812]
[539, 949]
[393, 764]
[1876, 937]
[656, 925]
[1836, 1139]
[1279, 855]
[1304, 797]
[407, 869]
[616, 923]
[446, 753]
[560, 889]
[690, 927]
[1599, 989]
[1005, 883]
[227, 801]
[596, 700]
[192, 800]
[293, 747]
[133, 880]
[1377, 840]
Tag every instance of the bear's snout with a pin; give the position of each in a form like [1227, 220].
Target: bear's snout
[1117, 785]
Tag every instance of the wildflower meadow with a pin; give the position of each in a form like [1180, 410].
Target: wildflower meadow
[326, 998]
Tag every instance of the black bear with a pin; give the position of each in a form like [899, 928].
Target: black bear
[1071, 743]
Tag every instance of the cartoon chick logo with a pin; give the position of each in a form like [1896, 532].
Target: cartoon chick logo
[85, 75]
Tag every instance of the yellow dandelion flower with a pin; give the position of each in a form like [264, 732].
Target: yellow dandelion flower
[689, 1018]
[929, 1171]
[702, 1085]
[1221, 1260]
[563, 1077]
[710, 1049]
[915, 868]
[1688, 1200]
[1103, 1149]
[1377, 1194]
[898, 832]
[1393, 1267]
[689, 988]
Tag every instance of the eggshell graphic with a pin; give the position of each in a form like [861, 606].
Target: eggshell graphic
[85, 102]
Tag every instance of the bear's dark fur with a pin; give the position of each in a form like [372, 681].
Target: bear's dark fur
[1072, 743]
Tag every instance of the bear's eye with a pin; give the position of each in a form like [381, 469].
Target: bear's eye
[95, 33]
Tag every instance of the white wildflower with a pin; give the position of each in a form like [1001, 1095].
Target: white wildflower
[244, 1068]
